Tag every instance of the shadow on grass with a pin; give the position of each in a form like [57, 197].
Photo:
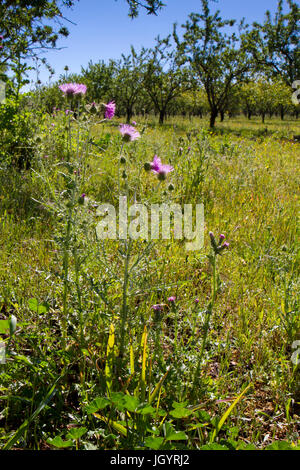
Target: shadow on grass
[17, 194]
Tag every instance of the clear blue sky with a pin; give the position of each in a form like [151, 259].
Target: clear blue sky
[103, 29]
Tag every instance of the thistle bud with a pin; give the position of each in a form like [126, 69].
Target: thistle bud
[162, 176]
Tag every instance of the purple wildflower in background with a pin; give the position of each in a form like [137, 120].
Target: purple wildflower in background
[160, 169]
[171, 299]
[133, 123]
[72, 89]
[129, 133]
[110, 109]
[196, 301]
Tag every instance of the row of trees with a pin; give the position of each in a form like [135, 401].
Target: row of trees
[140, 87]
[230, 66]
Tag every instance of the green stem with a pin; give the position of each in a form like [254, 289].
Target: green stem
[124, 312]
[208, 315]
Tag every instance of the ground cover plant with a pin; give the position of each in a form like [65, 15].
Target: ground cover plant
[134, 342]
[144, 345]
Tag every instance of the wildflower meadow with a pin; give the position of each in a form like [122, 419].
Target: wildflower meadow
[149, 268]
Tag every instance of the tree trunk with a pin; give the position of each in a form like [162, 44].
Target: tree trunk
[249, 115]
[128, 115]
[222, 113]
[263, 117]
[281, 112]
[162, 115]
[213, 117]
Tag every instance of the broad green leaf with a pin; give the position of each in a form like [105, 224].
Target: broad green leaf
[57, 441]
[154, 442]
[180, 413]
[130, 403]
[76, 433]
[97, 404]
[146, 410]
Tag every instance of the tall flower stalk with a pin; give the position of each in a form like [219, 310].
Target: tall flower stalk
[216, 249]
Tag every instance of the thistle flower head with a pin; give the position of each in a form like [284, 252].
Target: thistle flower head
[110, 109]
[72, 89]
[171, 299]
[129, 133]
[160, 169]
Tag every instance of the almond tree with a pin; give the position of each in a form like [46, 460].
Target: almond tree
[275, 43]
[128, 80]
[165, 77]
[219, 59]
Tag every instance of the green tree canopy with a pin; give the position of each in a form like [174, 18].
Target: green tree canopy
[219, 58]
[275, 43]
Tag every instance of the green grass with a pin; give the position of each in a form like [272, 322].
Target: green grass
[247, 177]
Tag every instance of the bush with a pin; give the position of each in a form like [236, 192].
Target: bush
[17, 129]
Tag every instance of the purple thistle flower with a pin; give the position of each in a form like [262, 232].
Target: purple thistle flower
[129, 133]
[171, 299]
[133, 123]
[196, 301]
[110, 109]
[160, 169]
[222, 237]
[226, 245]
[72, 89]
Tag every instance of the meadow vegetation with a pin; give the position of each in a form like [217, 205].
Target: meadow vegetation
[64, 359]
[138, 343]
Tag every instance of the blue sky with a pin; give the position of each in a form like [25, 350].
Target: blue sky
[103, 29]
